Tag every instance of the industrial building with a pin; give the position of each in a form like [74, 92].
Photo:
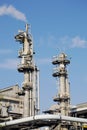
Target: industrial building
[19, 105]
[11, 104]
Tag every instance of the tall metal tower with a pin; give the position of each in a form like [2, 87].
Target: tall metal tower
[27, 66]
[63, 96]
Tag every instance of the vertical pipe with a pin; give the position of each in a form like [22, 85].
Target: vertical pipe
[26, 45]
[34, 91]
[67, 87]
[68, 96]
[30, 103]
[26, 104]
[38, 89]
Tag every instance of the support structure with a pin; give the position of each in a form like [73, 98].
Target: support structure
[29, 69]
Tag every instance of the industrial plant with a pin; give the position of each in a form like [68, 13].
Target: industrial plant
[19, 105]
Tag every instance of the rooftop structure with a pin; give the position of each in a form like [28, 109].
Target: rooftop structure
[79, 110]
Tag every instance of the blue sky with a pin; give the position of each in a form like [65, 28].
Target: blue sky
[56, 26]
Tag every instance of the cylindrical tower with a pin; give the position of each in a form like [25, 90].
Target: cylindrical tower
[27, 67]
[63, 96]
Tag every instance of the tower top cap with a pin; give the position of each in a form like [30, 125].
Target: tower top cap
[62, 55]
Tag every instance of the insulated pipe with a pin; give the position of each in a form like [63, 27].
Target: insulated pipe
[68, 87]
[38, 74]
[26, 104]
[43, 118]
[34, 93]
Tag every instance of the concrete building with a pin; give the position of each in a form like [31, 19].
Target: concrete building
[11, 104]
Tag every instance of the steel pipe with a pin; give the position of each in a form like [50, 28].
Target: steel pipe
[42, 118]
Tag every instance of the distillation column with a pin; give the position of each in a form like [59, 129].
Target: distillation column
[27, 67]
[63, 95]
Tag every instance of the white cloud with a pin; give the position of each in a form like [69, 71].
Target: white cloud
[9, 64]
[74, 42]
[63, 43]
[12, 11]
[78, 42]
